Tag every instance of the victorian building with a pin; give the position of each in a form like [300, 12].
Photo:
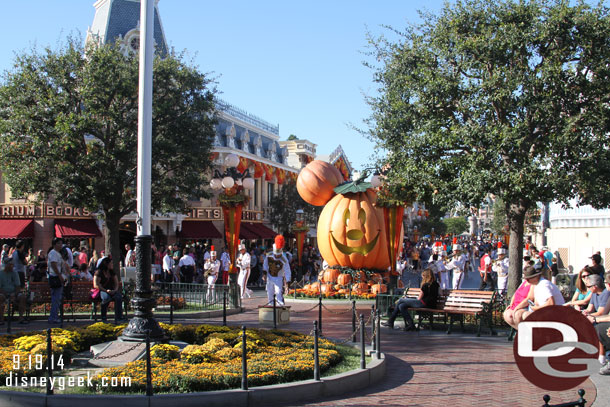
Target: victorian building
[256, 142]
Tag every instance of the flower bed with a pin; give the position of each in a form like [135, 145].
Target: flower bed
[301, 293]
[212, 361]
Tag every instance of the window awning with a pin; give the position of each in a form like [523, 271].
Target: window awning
[199, 229]
[76, 228]
[246, 232]
[16, 228]
[259, 230]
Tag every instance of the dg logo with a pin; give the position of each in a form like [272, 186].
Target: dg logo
[556, 348]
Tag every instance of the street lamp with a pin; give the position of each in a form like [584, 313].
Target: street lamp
[231, 176]
[300, 229]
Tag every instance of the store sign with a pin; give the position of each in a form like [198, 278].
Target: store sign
[215, 213]
[42, 211]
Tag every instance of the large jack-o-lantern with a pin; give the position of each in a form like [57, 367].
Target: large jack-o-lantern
[351, 231]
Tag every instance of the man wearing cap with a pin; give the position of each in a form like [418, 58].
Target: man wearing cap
[10, 288]
[457, 264]
[602, 327]
[485, 270]
[243, 262]
[545, 292]
[276, 270]
[596, 266]
[500, 267]
[211, 268]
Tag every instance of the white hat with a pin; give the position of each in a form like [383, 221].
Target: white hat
[501, 250]
[457, 247]
[242, 247]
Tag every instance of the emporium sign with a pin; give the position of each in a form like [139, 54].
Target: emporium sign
[215, 213]
[43, 211]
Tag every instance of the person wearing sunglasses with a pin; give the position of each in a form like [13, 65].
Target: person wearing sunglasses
[582, 296]
[599, 304]
[601, 317]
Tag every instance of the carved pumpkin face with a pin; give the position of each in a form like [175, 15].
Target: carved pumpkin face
[351, 232]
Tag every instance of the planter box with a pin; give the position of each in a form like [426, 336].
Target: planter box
[265, 315]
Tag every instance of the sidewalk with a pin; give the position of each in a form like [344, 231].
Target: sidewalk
[424, 369]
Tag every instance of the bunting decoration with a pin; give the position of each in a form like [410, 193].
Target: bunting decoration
[243, 165]
[280, 175]
[392, 217]
[258, 169]
[342, 167]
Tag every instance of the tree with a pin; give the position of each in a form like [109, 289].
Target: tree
[456, 226]
[292, 137]
[501, 97]
[68, 124]
[284, 205]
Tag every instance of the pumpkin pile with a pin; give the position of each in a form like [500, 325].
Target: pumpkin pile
[351, 230]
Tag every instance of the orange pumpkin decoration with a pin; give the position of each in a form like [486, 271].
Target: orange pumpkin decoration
[379, 289]
[315, 287]
[331, 275]
[337, 287]
[351, 232]
[307, 287]
[344, 291]
[360, 277]
[344, 279]
[376, 277]
[327, 288]
[362, 287]
[321, 276]
[316, 182]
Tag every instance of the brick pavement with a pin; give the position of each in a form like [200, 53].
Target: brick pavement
[424, 369]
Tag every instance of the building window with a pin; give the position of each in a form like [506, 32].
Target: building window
[269, 193]
[256, 188]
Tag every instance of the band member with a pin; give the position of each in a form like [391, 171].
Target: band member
[457, 264]
[276, 271]
[243, 262]
[500, 267]
[485, 270]
[211, 269]
[441, 270]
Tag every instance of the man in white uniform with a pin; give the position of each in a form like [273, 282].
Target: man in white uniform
[501, 268]
[243, 262]
[211, 268]
[276, 270]
[441, 269]
[457, 264]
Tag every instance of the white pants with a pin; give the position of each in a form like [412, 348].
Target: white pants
[445, 280]
[502, 284]
[242, 281]
[275, 285]
[211, 283]
[458, 278]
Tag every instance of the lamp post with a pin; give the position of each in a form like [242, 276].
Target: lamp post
[300, 229]
[232, 201]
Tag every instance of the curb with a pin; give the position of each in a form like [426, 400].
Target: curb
[295, 392]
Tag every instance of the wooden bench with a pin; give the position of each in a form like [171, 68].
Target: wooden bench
[454, 304]
[40, 293]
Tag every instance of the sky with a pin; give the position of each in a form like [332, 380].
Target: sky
[298, 64]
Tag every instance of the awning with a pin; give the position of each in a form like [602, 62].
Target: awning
[259, 230]
[245, 232]
[16, 228]
[199, 229]
[76, 228]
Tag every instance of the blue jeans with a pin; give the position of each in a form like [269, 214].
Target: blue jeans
[403, 306]
[56, 295]
[118, 304]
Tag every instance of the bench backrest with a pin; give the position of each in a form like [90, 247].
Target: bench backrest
[458, 300]
[81, 291]
[467, 300]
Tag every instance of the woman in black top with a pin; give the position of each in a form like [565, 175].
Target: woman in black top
[107, 282]
[427, 299]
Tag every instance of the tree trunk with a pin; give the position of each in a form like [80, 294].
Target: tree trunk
[112, 239]
[515, 215]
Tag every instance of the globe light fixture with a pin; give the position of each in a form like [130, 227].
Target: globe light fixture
[215, 184]
[375, 181]
[228, 182]
[232, 160]
[248, 183]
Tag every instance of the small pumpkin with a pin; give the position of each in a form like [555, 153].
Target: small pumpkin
[337, 287]
[344, 279]
[362, 287]
[379, 289]
[331, 275]
[377, 278]
[315, 287]
[327, 288]
[316, 182]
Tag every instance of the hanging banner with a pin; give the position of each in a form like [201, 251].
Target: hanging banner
[392, 217]
[232, 215]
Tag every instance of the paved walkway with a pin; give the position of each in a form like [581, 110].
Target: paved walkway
[425, 368]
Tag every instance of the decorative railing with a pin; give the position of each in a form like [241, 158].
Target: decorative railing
[243, 115]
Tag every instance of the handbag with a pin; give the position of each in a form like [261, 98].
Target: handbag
[95, 293]
[54, 282]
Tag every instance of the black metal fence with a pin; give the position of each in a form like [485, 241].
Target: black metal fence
[176, 297]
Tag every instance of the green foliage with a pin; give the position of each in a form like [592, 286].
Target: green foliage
[69, 123]
[503, 97]
[292, 137]
[456, 226]
[498, 223]
[284, 206]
